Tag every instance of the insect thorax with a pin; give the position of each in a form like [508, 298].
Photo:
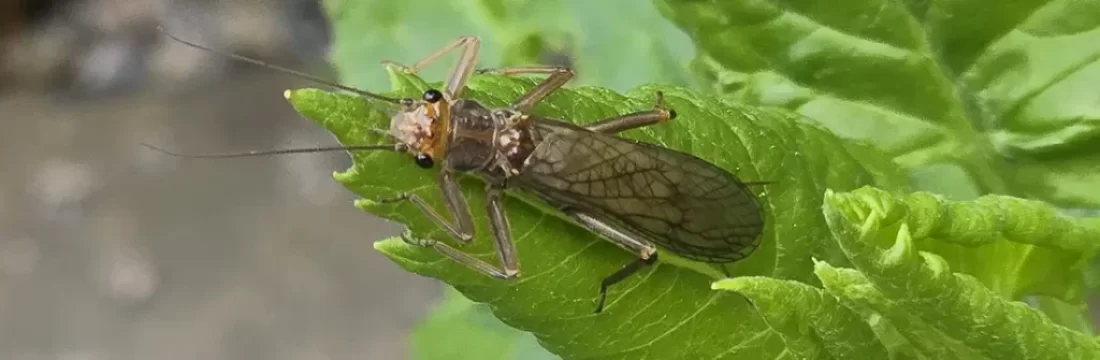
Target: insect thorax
[471, 136]
[494, 142]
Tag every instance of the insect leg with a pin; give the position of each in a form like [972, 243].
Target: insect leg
[502, 231]
[470, 45]
[463, 228]
[646, 252]
[622, 274]
[463, 258]
[658, 114]
[558, 77]
[506, 249]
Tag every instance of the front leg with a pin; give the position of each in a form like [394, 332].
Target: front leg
[559, 76]
[456, 81]
[464, 229]
[463, 226]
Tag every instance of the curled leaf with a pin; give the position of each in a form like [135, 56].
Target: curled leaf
[1014, 246]
[880, 241]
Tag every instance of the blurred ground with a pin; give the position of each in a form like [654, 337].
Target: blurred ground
[111, 251]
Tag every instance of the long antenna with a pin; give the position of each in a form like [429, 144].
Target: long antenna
[278, 68]
[274, 152]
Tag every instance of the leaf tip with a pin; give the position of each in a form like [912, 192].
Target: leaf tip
[344, 177]
[936, 264]
[724, 284]
[365, 204]
[387, 245]
[399, 252]
[902, 248]
[741, 284]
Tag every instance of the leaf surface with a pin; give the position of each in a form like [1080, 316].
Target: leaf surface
[812, 324]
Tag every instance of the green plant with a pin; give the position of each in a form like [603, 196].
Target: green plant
[854, 263]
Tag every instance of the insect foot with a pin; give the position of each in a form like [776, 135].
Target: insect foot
[399, 198]
[659, 104]
[408, 238]
[398, 66]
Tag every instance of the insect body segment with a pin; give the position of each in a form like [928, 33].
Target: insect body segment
[423, 127]
[634, 194]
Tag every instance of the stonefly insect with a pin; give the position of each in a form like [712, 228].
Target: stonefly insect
[634, 194]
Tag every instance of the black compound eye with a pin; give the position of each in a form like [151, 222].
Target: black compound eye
[433, 96]
[424, 161]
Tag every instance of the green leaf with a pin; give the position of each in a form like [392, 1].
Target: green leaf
[813, 325]
[1071, 315]
[462, 329]
[668, 310]
[884, 234]
[905, 331]
[513, 32]
[1003, 103]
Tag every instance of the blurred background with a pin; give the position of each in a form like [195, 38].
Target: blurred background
[111, 251]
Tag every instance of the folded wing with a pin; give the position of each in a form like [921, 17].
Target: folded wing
[673, 199]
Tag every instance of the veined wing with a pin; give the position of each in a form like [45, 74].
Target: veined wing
[673, 199]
